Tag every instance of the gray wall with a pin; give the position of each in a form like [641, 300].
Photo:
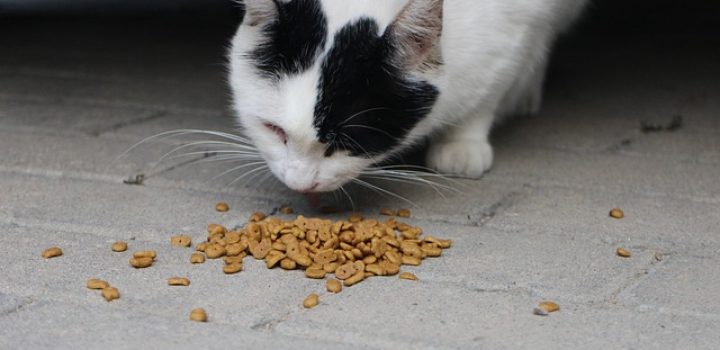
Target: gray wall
[110, 7]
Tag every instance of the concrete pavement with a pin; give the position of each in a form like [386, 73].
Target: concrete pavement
[536, 227]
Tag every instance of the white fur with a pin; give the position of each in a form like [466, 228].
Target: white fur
[494, 54]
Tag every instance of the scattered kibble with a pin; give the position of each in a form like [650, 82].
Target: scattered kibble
[311, 301]
[141, 263]
[197, 258]
[95, 283]
[617, 213]
[119, 246]
[387, 212]
[408, 276]
[257, 216]
[233, 268]
[178, 281]
[286, 210]
[334, 286]
[546, 307]
[110, 293]
[52, 252]
[145, 254]
[222, 207]
[181, 241]
[622, 252]
[404, 213]
[198, 315]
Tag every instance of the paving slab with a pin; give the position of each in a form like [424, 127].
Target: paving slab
[535, 227]
[665, 225]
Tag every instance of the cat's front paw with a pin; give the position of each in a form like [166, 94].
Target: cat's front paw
[461, 158]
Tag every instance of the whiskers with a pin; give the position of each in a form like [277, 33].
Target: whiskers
[221, 148]
[239, 162]
[408, 175]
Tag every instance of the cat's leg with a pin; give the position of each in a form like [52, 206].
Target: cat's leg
[525, 96]
[463, 150]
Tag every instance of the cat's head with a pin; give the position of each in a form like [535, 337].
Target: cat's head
[327, 88]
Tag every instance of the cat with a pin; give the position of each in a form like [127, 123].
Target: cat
[327, 89]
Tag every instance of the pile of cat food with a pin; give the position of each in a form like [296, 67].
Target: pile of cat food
[350, 251]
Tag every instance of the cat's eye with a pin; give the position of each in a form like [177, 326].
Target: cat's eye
[277, 130]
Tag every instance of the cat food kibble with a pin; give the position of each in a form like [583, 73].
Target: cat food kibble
[198, 315]
[178, 281]
[333, 286]
[222, 207]
[617, 213]
[257, 216]
[145, 254]
[119, 246]
[197, 258]
[110, 293]
[403, 213]
[142, 262]
[622, 252]
[408, 276]
[546, 307]
[286, 210]
[95, 283]
[233, 268]
[52, 252]
[311, 301]
[387, 212]
[181, 241]
[214, 251]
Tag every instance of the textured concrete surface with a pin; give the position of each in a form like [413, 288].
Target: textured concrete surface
[74, 96]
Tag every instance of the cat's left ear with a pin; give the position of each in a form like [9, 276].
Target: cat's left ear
[415, 34]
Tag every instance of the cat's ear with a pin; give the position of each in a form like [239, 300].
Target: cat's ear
[415, 33]
[258, 12]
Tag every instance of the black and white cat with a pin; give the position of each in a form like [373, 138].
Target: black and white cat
[327, 88]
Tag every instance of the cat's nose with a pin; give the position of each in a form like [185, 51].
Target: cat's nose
[299, 177]
[310, 189]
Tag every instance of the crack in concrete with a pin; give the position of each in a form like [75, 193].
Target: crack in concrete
[131, 122]
[639, 276]
[503, 204]
[19, 308]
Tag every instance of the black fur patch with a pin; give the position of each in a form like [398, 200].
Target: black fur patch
[294, 39]
[366, 105]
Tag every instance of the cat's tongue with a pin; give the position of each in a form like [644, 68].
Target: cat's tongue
[313, 200]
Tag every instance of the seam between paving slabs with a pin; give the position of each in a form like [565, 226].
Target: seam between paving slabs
[153, 115]
[113, 180]
[36, 303]
[24, 306]
[111, 103]
[585, 188]
[79, 230]
[363, 340]
[640, 275]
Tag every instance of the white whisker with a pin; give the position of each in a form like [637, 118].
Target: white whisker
[382, 190]
[343, 190]
[262, 167]
[236, 168]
